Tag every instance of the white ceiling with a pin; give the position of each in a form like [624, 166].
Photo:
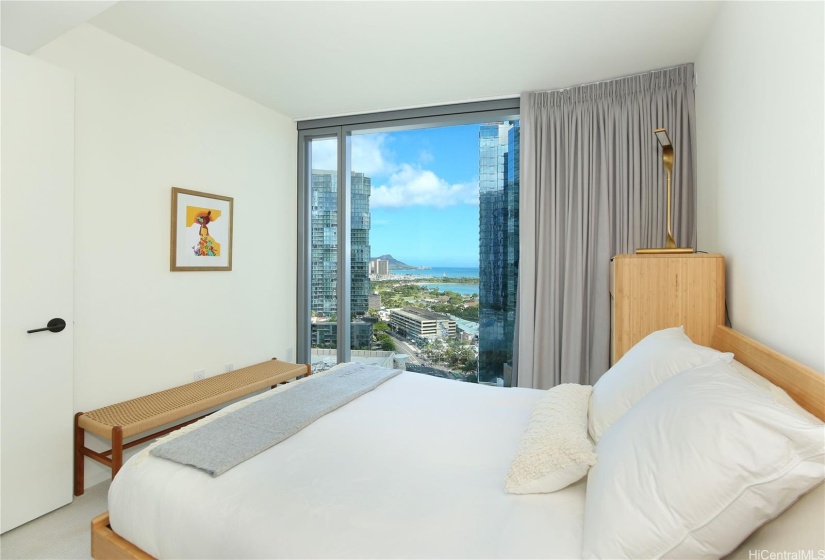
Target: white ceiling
[310, 59]
[27, 26]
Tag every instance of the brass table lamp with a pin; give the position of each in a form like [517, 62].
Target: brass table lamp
[667, 159]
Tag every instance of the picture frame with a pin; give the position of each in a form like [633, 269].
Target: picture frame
[201, 238]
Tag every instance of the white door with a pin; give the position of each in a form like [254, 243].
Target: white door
[36, 227]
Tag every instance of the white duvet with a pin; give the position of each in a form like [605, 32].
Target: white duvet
[413, 469]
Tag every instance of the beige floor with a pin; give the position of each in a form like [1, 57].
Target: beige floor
[63, 533]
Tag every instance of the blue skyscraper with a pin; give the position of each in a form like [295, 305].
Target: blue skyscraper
[498, 153]
[324, 243]
[361, 187]
[324, 251]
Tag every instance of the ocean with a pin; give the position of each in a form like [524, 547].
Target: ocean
[441, 272]
[463, 289]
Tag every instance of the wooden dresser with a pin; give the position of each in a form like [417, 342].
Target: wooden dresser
[652, 292]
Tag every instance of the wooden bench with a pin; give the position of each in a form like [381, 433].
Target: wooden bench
[137, 416]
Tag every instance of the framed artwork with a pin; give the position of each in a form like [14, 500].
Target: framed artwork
[201, 231]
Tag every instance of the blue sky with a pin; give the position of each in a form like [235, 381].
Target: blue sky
[425, 211]
[424, 201]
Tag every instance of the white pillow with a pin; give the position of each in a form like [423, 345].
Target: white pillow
[777, 393]
[555, 450]
[658, 356]
[695, 467]
[798, 528]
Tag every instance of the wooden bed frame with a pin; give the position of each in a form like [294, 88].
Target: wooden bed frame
[803, 384]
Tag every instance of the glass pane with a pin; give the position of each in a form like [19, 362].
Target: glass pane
[498, 167]
[435, 249]
[361, 327]
[324, 252]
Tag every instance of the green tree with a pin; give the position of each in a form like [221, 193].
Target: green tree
[471, 365]
[387, 343]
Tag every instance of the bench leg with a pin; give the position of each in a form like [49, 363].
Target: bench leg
[79, 458]
[117, 449]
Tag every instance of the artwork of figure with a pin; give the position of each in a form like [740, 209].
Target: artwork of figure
[201, 237]
[206, 246]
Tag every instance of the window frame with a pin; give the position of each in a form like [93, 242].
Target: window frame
[342, 128]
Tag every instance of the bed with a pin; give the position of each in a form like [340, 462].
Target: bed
[412, 469]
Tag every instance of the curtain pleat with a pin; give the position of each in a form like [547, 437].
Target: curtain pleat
[592, 186]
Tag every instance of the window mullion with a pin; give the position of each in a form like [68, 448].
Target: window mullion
[303, 352]
[344, 245]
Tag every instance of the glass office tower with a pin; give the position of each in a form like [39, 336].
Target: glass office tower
[324, 249]
[498, 153]
[360, 243]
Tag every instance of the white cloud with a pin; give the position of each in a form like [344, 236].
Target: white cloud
[407, 185]
[370, 155]
[413, 186]
[324, 154]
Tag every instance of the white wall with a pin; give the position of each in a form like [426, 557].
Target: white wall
[142, 126]
[759, 105]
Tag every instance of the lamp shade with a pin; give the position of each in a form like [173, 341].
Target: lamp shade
[662, 137]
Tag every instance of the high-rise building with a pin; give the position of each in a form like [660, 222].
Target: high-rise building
[380, 267]
[325, 335]
[511, 194]
[324, 249]
[360, 243]
[498, 153]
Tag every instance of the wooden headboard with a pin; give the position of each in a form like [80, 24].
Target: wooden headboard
[805, 385]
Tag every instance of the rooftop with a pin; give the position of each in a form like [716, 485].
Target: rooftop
[423, 314]
[466, 326]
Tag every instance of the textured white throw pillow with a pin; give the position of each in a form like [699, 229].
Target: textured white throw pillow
[655, 358]
[696, 466]
[555, 450]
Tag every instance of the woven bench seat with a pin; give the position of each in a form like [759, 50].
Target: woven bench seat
[137, 416]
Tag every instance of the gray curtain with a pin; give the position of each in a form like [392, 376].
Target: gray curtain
[593, 186]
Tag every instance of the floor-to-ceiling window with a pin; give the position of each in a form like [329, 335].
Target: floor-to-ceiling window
[409, 240]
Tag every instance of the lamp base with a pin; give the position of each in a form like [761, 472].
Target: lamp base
[658, 250]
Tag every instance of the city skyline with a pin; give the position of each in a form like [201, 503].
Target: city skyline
[419, 177]
[397, 207]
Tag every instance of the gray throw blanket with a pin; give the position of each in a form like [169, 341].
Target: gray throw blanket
[230, 440]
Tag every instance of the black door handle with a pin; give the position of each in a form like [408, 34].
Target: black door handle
[55, 325]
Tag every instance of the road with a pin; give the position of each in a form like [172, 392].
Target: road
[403, 348]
